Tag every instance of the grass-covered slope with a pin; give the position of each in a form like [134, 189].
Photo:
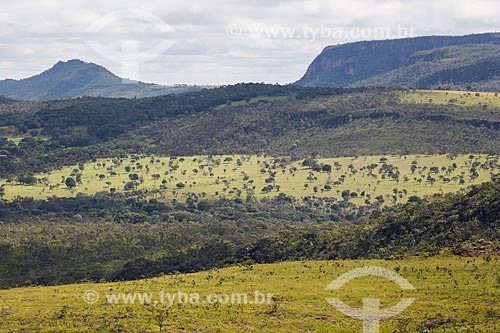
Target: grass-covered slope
[451, 294]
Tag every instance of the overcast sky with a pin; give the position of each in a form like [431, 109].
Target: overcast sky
[217, 41]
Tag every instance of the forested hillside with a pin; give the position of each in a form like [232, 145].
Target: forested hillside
[425, 226]
[253, 118]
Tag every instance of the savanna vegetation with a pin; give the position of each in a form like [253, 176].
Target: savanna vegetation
[115, 237]
[65, 132]
[452, 294]
[96, 190]
[370, 181]
[248, 119]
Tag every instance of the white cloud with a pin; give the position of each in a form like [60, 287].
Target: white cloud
[35, 35]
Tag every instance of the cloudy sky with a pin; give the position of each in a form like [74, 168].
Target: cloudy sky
[217, 41]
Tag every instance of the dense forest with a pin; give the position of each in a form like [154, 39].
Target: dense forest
[120, 236]
[348, 125]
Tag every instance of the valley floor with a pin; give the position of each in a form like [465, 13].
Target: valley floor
[362, 180]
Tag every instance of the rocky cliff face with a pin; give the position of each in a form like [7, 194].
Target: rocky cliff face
[347, 64]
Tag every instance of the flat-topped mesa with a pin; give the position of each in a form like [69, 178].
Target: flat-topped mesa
[410, 62]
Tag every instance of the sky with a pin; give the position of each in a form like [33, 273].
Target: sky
[219, 41]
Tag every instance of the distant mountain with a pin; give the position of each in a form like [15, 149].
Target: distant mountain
[454, 62]
[76, 78]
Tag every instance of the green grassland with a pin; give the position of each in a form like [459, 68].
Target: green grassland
[463, 98]
[452, 294]
[258, 99]
[366, 178]
[11, 134]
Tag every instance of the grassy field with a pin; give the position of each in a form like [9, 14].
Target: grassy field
[463, 98]
[452, 294]
[368, 179]
[259, 99]
[11, 134]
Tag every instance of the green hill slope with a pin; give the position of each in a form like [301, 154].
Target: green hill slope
[351, 124]
[452, 294]
[437, 222]
[249, 119]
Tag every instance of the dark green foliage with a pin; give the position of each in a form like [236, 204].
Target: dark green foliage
[70, 182]
[119, 237]
[352, 124]
[427, 225]
[80, 130]
[326, 168]
[27, 180]
[134, 176]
